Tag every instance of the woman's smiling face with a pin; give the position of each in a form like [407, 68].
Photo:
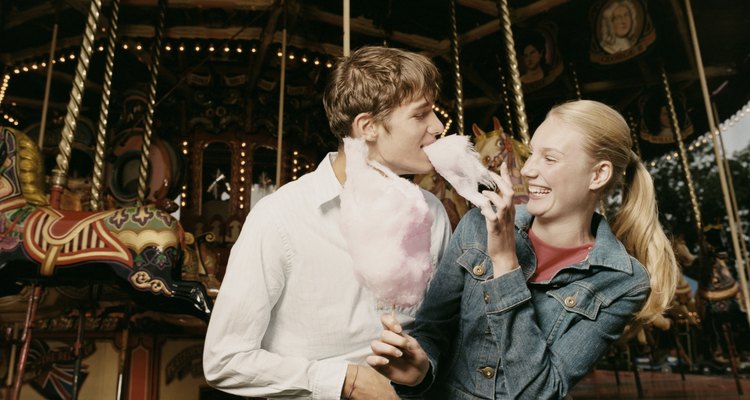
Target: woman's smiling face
[559, 171]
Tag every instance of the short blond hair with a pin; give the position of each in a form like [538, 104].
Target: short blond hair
[376, 80]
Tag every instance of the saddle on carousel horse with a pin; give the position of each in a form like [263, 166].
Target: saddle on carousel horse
[141, 248]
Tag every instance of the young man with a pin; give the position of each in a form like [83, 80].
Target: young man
[291, 320]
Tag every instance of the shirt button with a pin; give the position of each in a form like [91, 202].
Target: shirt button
[570, 301]
[486, 297]
[478, 270]
[487, 372]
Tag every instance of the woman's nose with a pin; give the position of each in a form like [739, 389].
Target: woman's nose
[528, 168]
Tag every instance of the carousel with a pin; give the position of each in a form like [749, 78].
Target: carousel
[138, 134]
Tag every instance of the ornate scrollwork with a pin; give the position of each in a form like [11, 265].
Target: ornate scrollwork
[144, 281]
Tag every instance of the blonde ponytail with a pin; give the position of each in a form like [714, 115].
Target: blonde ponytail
[638, 228]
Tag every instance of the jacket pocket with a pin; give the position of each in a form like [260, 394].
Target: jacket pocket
[476, 263]
[578, 299]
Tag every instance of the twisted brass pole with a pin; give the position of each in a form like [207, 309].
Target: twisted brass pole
[681, 148]
[515, 77]
[634, 134]
[576, 84]
[456, 50]
[73, 110]
[506, 100]
[101, 134]
[149, 123]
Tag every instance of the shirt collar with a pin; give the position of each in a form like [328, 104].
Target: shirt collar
[327, 186]
[607, 252]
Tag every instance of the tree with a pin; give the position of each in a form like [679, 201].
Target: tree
[675, 207]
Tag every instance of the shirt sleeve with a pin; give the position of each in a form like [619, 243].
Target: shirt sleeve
[233, 358]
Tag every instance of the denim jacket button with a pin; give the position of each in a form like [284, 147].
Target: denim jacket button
[487, 372]
[478, 270]
[570, 301]
[486, 297]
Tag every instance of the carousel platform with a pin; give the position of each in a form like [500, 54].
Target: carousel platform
[602, 384]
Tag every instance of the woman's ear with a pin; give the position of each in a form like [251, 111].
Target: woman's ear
[602, 173]
[364, 126]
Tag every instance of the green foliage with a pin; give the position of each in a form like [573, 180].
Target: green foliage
[672, 192]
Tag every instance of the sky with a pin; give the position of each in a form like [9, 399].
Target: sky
[736, 134]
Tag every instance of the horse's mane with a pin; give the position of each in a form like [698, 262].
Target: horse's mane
[30, 167]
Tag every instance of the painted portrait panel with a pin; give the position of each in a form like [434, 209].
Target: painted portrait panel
[656, 124]
[539, 60]
[622, 29]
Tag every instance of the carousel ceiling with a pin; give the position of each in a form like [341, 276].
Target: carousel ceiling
[220, 60]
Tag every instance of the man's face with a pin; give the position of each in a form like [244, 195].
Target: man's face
[399, 141]
[622, 21]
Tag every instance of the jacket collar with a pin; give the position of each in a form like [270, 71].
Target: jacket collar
[607, 252]
[326, 185]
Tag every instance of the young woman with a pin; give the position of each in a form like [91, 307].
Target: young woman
[527, 298]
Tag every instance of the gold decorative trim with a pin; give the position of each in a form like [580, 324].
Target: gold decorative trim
[50, 260]
[140, 240]
[142, 280]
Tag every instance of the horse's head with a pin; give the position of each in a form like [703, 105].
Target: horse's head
[21, 168]
[490, 145]
[495, 147]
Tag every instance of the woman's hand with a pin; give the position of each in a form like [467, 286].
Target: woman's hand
[501, 240]
[398, 356]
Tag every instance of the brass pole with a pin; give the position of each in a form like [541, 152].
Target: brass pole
[76, 96]
[515, 77]
[730, 184]
[101, 134]
[731, 212]
[576, 84]
[675, 124]
[506, 100]
[149, 123]
[280, 128]
[48, 84]
[634, 134]
[456, 51]
[347, 28]
[35, 294]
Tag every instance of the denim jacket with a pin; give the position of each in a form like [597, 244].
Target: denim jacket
[508, 338]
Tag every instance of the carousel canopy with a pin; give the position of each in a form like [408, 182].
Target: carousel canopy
[220, 60]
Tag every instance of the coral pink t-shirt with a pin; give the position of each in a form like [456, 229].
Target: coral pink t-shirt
[551, 259]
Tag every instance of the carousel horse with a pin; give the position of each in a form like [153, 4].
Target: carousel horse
[496, 146]
[722, 315]
[140, 248]
[684, 306]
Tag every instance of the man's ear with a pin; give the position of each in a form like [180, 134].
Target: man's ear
[364, 126]
[601, 174]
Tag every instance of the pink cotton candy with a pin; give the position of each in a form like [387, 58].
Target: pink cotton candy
[386, 223]
[455, 159]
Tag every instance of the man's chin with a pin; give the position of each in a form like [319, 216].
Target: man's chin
[424, 171]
